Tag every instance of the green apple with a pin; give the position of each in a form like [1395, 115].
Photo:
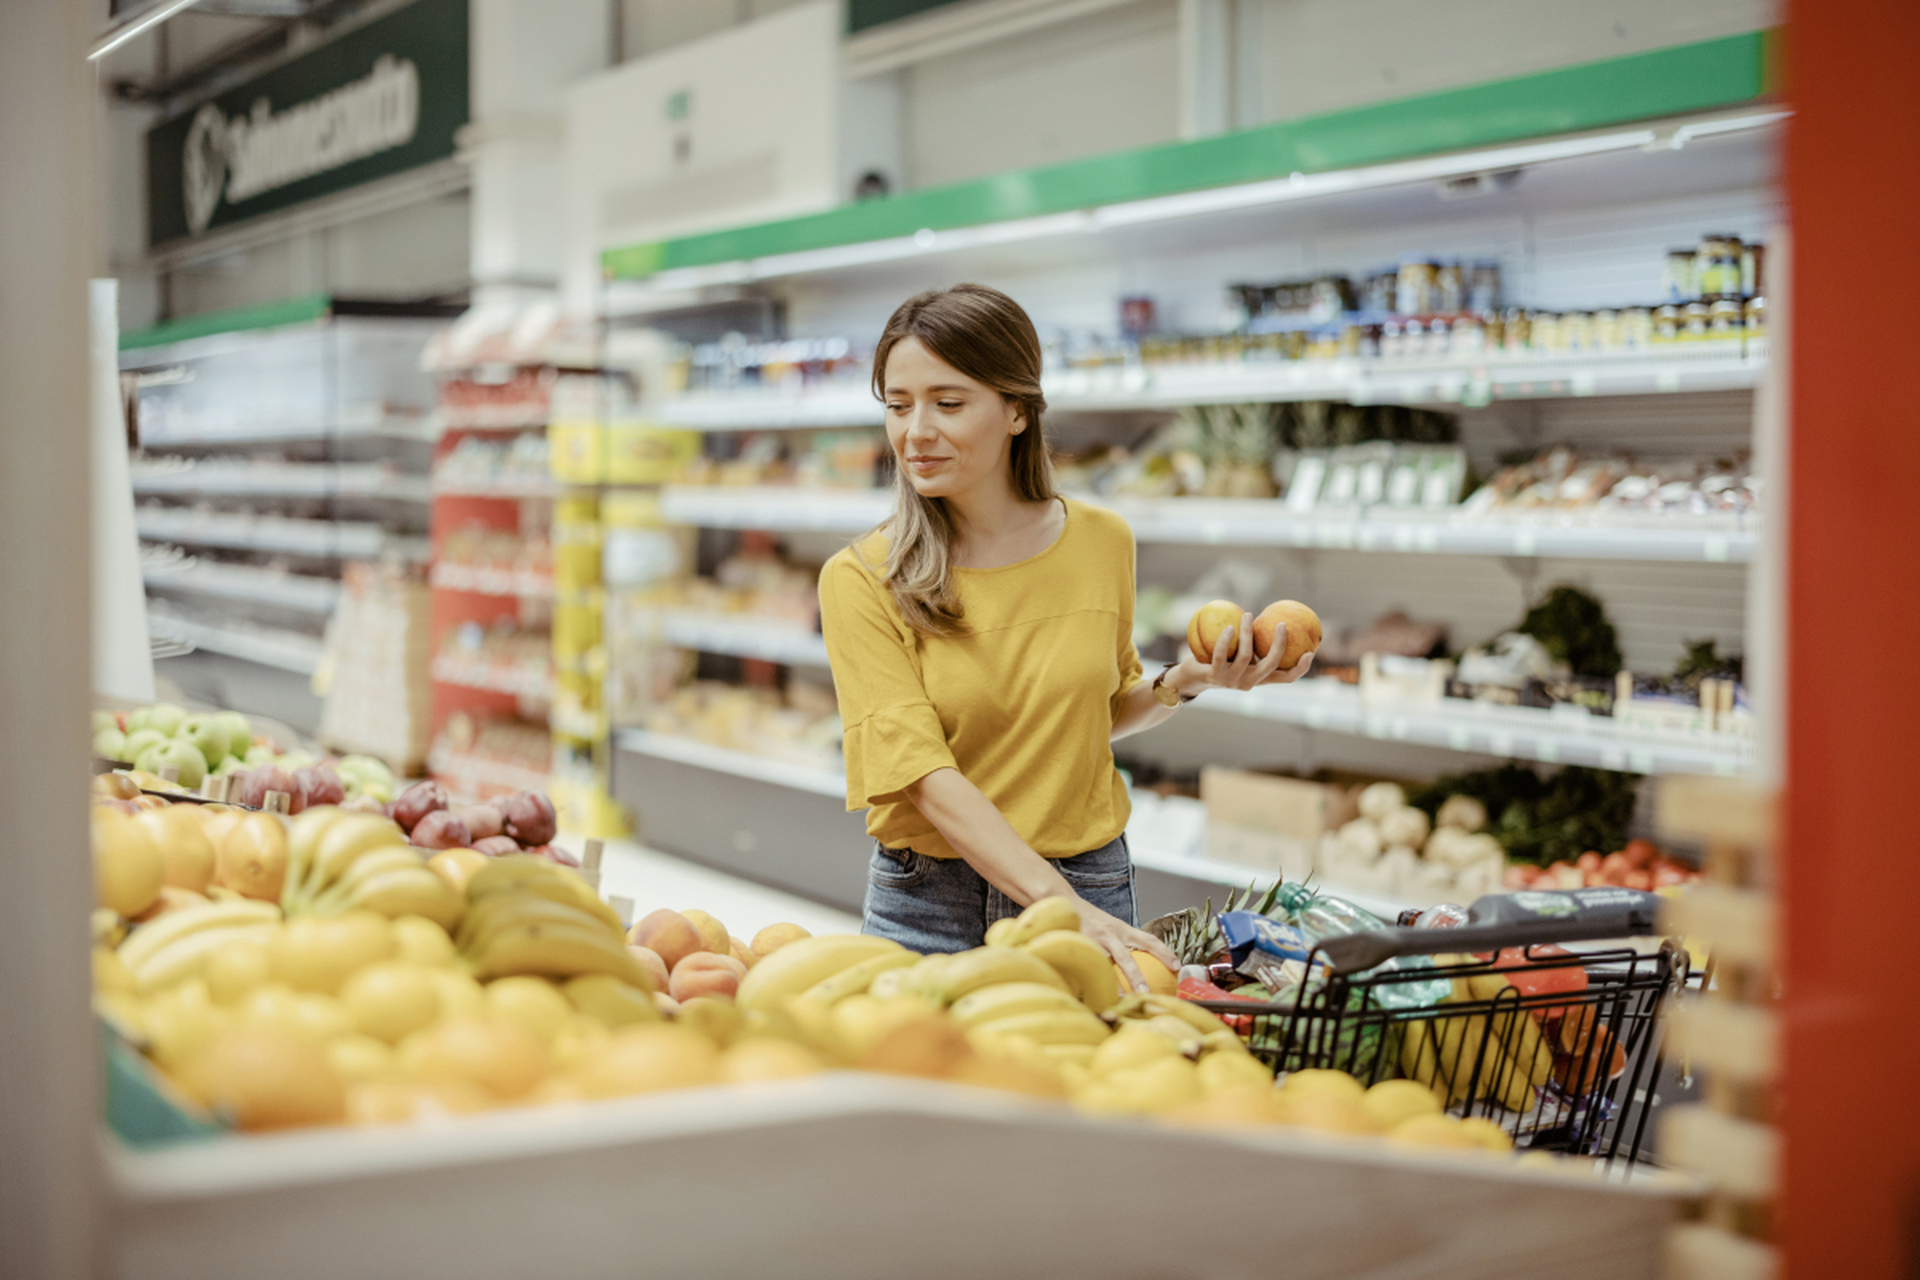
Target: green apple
[138, 740]
[189, 764]
[239, 732]
[206, 735]
[259, 754]
[108, 743]
[165, 717]
[295, 760]
[103, 720]
[232, 764]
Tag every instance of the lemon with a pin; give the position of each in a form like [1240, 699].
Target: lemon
[265, 1079]
[420, 940]
[460, 996]
[1433, 1131]
[358, 1057]
[645, 1058]
[237, 968]
[1225, 1072]
[1133, 1045]
[1315, 1080]
[1486, 1133]
[1329, 1110]
[577, 1040]
[532, 1004]
[322, 1017]
[766, 1059]
[181, 1023]
[319, 955]
[110, 973]
[390, 999]
[492, 1053]
[1392, 1101]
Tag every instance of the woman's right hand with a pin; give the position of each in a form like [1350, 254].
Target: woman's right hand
[1121, 940]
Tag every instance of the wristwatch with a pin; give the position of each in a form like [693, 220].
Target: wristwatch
[1165, 694]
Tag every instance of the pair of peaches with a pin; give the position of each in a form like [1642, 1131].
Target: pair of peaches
[1299, 624]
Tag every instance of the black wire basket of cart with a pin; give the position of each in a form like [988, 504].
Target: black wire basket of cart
[1552, 1037]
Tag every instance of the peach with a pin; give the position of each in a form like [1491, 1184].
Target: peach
[741, 951]
[713, 934]
[704, 974]
[669, 933]
[1300, 625]
[1209, 620]
[774, 937]
[650, 961]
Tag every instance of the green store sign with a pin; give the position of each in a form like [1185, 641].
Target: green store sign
[381, 99]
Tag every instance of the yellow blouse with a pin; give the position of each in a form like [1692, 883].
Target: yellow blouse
[1022, 703]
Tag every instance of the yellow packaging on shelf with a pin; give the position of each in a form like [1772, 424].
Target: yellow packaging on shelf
[585, 809]
[576, 625]
[631, 509]
[641, 453]
[577, 451]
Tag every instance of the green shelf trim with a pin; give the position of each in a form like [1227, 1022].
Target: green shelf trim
[1665, 82]
[268, 315]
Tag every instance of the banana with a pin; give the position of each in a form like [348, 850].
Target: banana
[1192, 1014]
[410, 891]
[556, 951]
[997, 931]
[1176, 1030]
[372, 863]
[986, 967]
[145, 941]
[1044, 916]
[1227, 1041]
[604, 997]
[504, 873]
[185, 957]
[802, 963]
[922, 979]
[1064, 1025]
[985, 1007]
[342, 843]
[571, 891]
[491, 916]
[858, 978]
[303, 836]
[889, 985]
[1083, 963]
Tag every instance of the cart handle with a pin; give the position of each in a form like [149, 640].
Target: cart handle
[1352, 952]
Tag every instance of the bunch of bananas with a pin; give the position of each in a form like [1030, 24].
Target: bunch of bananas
[526, 915]
[174, 947]
[1506, 1046]
[339, 860]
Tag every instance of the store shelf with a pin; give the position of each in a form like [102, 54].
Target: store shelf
[769, 639]
[512, 489]
[287, 650]
[824, 782]
[740, 764]
[180, 478]
[487, 418]
[491, 679]
[471, 774]
[1265, 522]
[1568, 736]
[247, 583]
[321, 539]
[370, 425]
[1716, 366]
[486, 580]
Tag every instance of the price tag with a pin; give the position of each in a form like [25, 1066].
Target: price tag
[1500, 744]
[1400, 728]
[1427, 539]
[1716, 549]
[1213, 531]
[1612, 758]
[1640, 761]
[1546, 750]
[1459, 738]
[1667, 380]
[1376, 726]
[1524, 543]
[1403, 539]
[1585, 384]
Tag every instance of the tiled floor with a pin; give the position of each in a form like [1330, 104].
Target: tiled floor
[654, 880]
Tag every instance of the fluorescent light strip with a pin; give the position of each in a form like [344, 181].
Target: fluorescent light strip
[152, 18]
[1298, 186]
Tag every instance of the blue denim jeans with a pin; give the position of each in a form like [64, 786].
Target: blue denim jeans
[942, 904]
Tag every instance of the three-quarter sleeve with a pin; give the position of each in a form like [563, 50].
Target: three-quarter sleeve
[1126, 654]
[893, 735]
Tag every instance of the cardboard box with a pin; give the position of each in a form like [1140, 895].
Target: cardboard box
[1269, 822]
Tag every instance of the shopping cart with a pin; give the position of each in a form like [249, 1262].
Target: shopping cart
[1559, 1047]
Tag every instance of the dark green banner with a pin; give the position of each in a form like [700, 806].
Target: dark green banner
[862, 14]
[381, 99]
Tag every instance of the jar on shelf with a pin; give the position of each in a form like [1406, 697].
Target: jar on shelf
[1417, 288]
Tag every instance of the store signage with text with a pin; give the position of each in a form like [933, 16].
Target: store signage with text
[382, 99]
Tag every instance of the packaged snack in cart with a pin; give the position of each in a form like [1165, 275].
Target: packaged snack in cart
[1271, 953]
[1613, 911]
[1444, 916]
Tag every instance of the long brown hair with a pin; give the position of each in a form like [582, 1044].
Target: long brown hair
[987, 336]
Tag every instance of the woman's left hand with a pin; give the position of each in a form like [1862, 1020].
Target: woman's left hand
[1234, 665]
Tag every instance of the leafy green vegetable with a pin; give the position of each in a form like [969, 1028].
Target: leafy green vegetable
[1544, 819]
[1573, 627]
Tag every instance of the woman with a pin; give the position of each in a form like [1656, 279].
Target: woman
[982, 649]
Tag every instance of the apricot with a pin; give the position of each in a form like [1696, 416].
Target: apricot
[741, 951]
[669, 934]
[713, 934]
[650, 961]
[1208, 621]
[1300, 625]
[774, 937]
[704, 974]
